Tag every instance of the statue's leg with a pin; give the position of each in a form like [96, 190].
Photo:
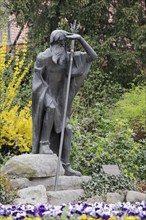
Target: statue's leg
[66, 153]
[66, 145]
[46, 131]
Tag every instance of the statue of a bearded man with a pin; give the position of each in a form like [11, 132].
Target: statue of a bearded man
[49, 93]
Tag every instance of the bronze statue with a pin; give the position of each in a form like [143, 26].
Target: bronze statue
[49, 94]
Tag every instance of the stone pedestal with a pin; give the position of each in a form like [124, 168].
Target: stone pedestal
[33, 176]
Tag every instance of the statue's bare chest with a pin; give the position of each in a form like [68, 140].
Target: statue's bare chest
[55, 73]
[55, 76]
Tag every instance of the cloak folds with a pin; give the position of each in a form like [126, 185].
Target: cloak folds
[40, 88]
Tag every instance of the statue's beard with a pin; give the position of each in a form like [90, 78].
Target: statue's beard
[58, 54]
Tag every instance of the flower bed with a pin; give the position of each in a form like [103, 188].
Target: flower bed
[79, 211]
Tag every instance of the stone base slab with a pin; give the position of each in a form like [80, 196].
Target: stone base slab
[64, 196]
[64, 182]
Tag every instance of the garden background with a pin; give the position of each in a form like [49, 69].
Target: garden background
[109, 112]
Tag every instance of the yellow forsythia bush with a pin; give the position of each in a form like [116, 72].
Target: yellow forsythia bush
[16, 122]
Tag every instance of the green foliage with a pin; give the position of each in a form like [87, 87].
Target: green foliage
[100, 87]
[3, 159]
[103, 183]
[3, 14]
[7, 193]
[64, 215]
[132, 107]
[118, 36]
[99, 141]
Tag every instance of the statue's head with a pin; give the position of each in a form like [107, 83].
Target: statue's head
[57, 36]
[58, 46]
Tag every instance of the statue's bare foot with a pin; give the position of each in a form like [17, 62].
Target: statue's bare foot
[45, 148]
[69, 171]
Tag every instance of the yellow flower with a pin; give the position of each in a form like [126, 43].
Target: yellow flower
[28, 218]
[16, 124]
[131, 218]
[5, 218]
[112, 218]
[83, 217]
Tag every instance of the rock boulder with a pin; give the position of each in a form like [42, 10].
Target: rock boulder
[134, 196]
[32, 165]
[31, 195]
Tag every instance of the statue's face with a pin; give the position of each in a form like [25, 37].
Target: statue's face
[60, 43]
[58, 50]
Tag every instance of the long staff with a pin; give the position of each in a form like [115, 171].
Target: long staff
[73, 27]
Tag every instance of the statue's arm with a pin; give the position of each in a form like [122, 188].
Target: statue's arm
[89, 50]
[40, 68]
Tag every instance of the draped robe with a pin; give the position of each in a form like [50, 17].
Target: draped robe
[49, 86]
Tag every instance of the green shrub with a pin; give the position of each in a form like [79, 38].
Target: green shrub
[103, 183]
[132, 107]
[99, 87]
[111, 142]
[4, 159]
